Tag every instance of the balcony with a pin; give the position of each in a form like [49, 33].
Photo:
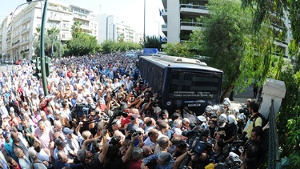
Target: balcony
[26, 19]
[164, 28]
[65, 28]
[165, 15]
[82, 17]
[281, 43]
[190, 26]
[193, 10]
[25, 30]
[54, 18]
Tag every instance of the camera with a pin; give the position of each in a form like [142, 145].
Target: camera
[115, 140]
[245, 110]
[195, 141]
[82, 108]
[135, 133]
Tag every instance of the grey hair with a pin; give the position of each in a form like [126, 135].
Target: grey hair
[177, 122]
[136, 153]
[32, 153]
[165, 157]
[163, 141]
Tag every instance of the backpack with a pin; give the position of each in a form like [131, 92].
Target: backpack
[263, 119]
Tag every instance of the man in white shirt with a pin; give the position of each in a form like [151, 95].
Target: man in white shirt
[151, 140]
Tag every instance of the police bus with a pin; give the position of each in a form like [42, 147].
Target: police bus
[182, 82]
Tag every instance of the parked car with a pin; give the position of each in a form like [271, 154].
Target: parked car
[7, 61]
[18, 62]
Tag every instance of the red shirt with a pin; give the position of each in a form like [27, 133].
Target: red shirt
[134, 164]
[44, 105]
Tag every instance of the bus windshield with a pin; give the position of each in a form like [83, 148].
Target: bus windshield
[187, 84]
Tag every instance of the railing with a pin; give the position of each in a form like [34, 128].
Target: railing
[193, 6]
[197, 24]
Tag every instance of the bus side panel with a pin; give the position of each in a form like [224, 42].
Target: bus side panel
[153, 74]
[165, 88]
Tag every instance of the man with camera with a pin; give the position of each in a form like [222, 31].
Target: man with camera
[93, 160]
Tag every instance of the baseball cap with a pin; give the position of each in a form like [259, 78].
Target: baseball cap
[67, 131]
[5, 134]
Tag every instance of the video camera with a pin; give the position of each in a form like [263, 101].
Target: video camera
[196, 144]
[195, 141]
[83, 108]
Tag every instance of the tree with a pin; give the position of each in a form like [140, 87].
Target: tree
[152, 42]
[76, 29]
[108, 46]
[111, 46]
[263, 10]
[228, 42]
[82, 44]
[50, 35]
[179, 49]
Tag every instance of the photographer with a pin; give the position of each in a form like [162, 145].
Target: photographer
[114, 158]
[96, 160]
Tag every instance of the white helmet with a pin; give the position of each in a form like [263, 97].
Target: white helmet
[201, 118]
[208, 109]
[222, 118]
[242, 117]
[227, 102]
[231, 119]
[216, 108]
[235, 111]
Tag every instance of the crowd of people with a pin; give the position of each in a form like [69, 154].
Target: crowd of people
[99, 113]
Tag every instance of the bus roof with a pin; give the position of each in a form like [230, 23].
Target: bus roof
[179, 62]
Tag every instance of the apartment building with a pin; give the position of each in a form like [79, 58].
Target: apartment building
[18, 30]
[180, 20]
[113, 28]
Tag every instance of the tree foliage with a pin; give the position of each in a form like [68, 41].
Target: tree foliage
[178, 49]
[51, 36]
[263, 10]
[111, 46]
[76, 29]
[228, 42]
[82, 44]
[152, 42]
[288, 119]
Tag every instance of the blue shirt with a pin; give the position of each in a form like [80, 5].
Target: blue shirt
[159, 166]
[9, 149]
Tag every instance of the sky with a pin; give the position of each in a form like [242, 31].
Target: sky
[130, 11]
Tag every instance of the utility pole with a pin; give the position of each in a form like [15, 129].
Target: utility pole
[59, 47]
[52, 54]
[144, 22]
[42, 46]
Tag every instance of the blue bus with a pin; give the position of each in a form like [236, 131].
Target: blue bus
[182, 82]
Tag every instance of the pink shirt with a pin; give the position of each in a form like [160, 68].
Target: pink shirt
[45, 138]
